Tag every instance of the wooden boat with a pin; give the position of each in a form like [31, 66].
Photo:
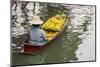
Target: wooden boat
[29, 49]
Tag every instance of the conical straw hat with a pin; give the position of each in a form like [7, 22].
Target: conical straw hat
[36, 20]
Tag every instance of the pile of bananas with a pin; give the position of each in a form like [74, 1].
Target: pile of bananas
[50, 34]
[54, 24]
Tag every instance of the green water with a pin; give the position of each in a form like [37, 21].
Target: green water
[64, 48]
[61, 50]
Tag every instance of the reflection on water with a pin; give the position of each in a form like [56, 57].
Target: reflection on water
[69, 46]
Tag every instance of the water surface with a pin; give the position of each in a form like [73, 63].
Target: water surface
[77, 42]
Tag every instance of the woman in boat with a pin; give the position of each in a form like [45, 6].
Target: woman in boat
[37, 36]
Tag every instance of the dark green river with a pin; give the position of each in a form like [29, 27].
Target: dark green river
[77, 42]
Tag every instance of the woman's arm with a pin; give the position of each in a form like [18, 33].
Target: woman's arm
[44, 36]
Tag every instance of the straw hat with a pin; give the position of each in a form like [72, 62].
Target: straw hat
[36, 20]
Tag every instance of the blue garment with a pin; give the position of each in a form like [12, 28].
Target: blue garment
[37, 36]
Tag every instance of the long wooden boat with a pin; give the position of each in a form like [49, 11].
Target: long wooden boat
[29, 49]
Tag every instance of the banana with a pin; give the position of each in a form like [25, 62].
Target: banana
[54, 23]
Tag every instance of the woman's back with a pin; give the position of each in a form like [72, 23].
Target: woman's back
[37, 35]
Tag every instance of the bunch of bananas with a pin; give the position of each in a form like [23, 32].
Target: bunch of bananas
[54, 24]
[50, 34]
